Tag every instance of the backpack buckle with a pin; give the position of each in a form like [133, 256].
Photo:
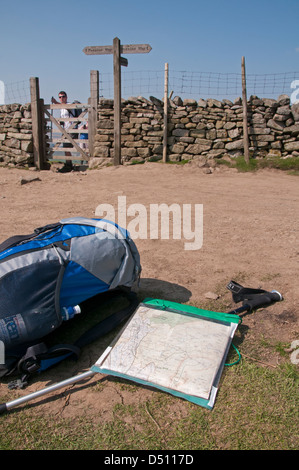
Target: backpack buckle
[19, 383]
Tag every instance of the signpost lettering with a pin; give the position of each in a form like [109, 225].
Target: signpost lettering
[124, 49]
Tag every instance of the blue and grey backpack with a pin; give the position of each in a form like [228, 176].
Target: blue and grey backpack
[46, 276]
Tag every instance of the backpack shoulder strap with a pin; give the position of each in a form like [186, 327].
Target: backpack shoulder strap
[17, 239]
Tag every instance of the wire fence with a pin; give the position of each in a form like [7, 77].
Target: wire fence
[185, 84]
[198, 85]
[16, 92]
[205, 84]
[270, 85]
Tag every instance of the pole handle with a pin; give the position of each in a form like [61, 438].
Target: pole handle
[262, 300]
[3, 408]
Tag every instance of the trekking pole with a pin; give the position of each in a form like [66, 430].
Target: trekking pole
[256, 301]
[19, 401]
[99, 330]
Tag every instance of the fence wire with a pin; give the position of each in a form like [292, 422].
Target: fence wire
[17, 92]
[134, 83]
[187, 84]
[270, 85]
[196, 85]
[205, 84]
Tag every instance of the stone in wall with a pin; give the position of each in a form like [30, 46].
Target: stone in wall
[16, 141]
[142, 130]
[271, 126]
[207, 128]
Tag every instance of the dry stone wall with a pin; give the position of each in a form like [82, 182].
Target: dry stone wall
[142, 130]
[209, 129]
[204, 129]
[16, 142]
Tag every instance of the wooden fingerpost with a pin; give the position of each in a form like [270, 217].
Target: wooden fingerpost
[116, 49]
[165, 130]
[245, 119]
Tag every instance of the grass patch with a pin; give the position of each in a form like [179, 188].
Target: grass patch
[285, 164]
[256, 408]
[136, 162]
[179, 162]
[290, 164]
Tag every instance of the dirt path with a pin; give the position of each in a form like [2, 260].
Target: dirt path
[250, 231]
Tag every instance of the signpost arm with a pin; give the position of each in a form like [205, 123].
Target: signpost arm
[117, 101]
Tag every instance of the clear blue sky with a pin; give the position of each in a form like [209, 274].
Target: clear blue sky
[45, 39]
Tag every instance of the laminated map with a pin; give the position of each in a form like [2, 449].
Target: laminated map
[176, 348]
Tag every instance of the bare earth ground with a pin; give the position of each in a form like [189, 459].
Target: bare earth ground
[251, 225]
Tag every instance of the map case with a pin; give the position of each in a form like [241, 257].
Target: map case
[176, 348]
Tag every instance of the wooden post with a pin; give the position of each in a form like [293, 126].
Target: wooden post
[93, 110]
[245, 120]
[165, 133]
[37, 125]
[117, 101]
